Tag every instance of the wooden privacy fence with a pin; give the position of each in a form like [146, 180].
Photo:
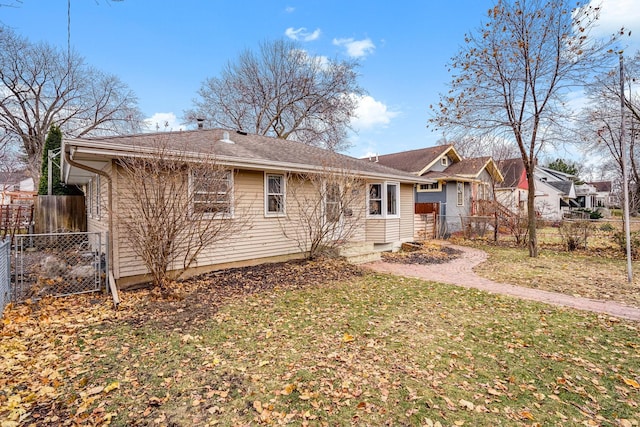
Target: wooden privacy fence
[60, 213]
[425, 219]
[15, 219]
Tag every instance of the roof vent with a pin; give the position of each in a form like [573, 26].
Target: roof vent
[225, 138]
[241, 132]
[200, 123]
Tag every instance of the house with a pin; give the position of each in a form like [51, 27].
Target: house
[513, 191]
[258, 168]
[556, 192]
[459, 185]
[604, 194]
[16, 187]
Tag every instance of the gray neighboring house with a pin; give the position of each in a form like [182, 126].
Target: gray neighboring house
[460, 185]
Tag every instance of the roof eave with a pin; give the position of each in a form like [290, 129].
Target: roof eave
[88, 147]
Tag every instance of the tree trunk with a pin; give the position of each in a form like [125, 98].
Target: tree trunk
[531, 213]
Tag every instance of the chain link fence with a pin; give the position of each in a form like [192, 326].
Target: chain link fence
[5, 274]
[57, 264]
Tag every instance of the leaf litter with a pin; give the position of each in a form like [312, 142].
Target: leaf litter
[314, 343]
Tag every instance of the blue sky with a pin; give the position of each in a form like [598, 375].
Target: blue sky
[164, 50]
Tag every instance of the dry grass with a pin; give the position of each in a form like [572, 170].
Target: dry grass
[599, 271]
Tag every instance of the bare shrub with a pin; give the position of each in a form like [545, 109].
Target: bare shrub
[326, 210]
[174, 207]
[575, 234]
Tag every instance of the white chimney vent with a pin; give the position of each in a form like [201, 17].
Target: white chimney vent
[225, 138]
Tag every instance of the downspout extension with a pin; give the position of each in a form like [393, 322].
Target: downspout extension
[110, 277]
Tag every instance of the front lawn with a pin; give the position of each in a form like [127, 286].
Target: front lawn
[598, 272]
[363, 349]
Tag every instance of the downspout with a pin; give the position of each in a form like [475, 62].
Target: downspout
[111, 279]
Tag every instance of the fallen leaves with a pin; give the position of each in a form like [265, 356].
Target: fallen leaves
[373, 350]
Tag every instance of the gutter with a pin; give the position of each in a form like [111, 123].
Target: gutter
[110, 277]
[123, 151]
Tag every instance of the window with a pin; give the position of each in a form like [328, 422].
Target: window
[93, 197]
[392, 199]
[332, 203]
[96, 205]
[274, 195]
[384, 199]
[460, 190]
[424, 188]
[444, 161]
[375, 199]
[211, 192]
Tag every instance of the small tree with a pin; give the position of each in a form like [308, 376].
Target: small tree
[174, 208]
[52, 143]
[325, 210]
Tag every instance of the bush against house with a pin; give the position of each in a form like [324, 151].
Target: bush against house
[175, 209]
[326, 209]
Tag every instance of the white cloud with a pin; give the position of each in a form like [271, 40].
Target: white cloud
[615, 14]
[302, 34]
[160, 122]
[289, 9]
[356, 48]
[371, 113]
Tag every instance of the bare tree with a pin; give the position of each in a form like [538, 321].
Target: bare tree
[511, 76]
[602, 121]
[40, 85]
[176, 209]
[283, 92]
[325, 209]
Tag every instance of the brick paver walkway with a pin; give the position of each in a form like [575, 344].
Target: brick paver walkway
[460, 272]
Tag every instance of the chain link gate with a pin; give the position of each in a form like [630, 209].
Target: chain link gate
[5, 274]
[57, 264]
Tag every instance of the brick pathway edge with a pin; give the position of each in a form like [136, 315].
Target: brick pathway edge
[460, 272]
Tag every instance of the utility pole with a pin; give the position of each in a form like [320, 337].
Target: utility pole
[625, 178]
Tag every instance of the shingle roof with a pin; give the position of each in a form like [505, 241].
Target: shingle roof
[414, 161]
[512, 170]
[564, 186]
[468, 167]
[602, 186]
[243, 148]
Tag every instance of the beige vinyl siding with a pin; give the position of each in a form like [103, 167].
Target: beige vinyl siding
[260, 236]
[393, 230]
[406, 212]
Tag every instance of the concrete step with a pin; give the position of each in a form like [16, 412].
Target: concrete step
[364, 258]
[355, 248]
[359, 252]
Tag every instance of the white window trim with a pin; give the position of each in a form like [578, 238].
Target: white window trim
[97, 196]
[430, 190]
[444, 161]
[459, 201]
[230, 192]
[268, 214]
[92, 198]
[326, 203]
[383, 209]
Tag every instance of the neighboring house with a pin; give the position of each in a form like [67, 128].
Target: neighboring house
[260, 166]
[554, 199]
[604, 194]
[459, 186]
[556, 192]
[513, 192]
[16, 187]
